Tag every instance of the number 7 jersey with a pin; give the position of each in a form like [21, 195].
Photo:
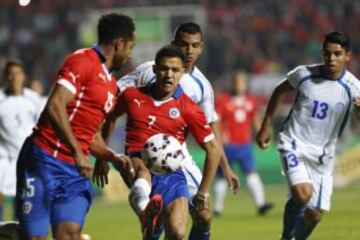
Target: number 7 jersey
[146, 117]
[321, 108]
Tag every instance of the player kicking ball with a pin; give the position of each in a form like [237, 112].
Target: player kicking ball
[325, 93]
[162, 107]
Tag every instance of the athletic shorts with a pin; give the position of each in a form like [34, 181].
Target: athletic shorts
[299, 168]
[170, 186]
[8, 176]
[241, 154]
[49, 191]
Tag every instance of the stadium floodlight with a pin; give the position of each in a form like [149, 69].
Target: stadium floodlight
[24, 3]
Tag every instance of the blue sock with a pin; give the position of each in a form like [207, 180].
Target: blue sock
[303, 230]
[292, 216]
[1, 213]
[198, 233]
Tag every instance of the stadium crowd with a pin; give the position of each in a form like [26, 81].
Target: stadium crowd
[257, 36]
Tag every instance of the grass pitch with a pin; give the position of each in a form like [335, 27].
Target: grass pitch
[115, 221]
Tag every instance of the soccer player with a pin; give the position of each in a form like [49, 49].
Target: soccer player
[188, 37]
[53, 168]
[238, 117]
[162, 107]
[325, 93]
[19, 109]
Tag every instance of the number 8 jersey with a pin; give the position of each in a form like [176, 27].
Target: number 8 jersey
[85, 75]
[320, 111]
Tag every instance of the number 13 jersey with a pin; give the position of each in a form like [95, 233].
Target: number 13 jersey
[321, 109]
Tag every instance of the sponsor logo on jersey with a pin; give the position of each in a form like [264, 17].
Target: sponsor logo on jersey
[174, 113]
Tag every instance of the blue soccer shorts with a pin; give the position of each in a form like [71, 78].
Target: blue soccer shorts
[241, 154]
[49, 191]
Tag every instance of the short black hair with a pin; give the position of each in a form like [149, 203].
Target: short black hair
[187, 27]
[112, 26]
[169, 51]
[12, 63]
[339, 38]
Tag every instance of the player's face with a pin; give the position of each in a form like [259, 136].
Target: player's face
[123, 51]
[239, 83]
[191, 45]
[168, 73]
[335, 58]
[15, 78]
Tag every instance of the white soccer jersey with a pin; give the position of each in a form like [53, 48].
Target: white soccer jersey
[194, 84]
[18, 115]
[319, 113]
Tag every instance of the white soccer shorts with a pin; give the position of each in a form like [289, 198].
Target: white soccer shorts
[8, 177]
[192, 172]
[299, 169]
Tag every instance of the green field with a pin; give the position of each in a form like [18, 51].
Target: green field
[107, 221]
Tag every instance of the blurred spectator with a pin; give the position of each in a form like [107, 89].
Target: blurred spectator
[259, 36]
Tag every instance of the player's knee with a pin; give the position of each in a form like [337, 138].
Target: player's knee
[312, 217]
[68, 231]
[302, 195]
[176, 231]
[202, 219]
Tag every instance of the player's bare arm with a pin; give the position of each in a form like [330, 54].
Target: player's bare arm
[104, 155]
[56, 111]
[211, 163]
[229, 174]
[263, 136]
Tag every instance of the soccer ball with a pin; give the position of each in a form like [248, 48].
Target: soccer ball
[162, 154]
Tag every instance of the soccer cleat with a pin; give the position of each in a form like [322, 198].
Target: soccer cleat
[150, 216]
[265, 208]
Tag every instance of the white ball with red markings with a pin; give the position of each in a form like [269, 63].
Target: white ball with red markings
[162, 154]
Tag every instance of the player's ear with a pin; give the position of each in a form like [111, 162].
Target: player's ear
[348, 56]
[119, 43]
[154, 68]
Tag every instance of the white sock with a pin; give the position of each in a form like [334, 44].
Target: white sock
[220, 188]
[139, 195]
[256, 188]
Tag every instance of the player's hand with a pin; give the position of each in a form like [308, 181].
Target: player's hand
[100, 176]
[263, 138]
[123, 165]
[232, 179]
[356, 102]
[201, 201]
[83, 165]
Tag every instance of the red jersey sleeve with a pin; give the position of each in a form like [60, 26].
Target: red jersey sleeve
[196, 122]
[75, 71]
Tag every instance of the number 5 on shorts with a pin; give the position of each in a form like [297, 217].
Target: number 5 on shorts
[29, 190]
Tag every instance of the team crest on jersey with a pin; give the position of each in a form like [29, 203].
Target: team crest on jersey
[26, 208]
[174, 113]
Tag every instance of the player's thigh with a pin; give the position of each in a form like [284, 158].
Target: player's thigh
[67, 217]
[176, 217]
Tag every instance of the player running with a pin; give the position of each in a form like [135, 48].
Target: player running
[19, 110]
[162, 107]
[53, 168]
[188, 37]
[238, 114]
[325, 94]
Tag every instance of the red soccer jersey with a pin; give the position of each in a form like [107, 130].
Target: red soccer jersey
[146, 117]
[86, 76]
[236, 116]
